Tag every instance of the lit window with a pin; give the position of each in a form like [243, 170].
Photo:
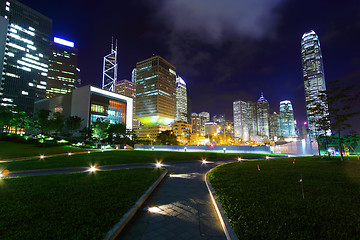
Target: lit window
[24, 93]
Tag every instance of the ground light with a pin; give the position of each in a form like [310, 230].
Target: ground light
[154, 209]
[92, 169]
[158, 164]
[88, 151]
[239, 159]
[69, 154]
[204, 161]
[42, 156]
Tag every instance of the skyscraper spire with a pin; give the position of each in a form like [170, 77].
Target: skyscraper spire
[110, 68]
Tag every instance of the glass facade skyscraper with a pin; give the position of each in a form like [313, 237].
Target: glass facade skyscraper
[313, 73]
[26, 55]
[262, 113]
[287, 122]
[62, 73]
[181, 100]
[241, 120]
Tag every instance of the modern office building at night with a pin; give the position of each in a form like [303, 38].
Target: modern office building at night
[241, 120]
[62, 75]
[287, 121]
[91, 103]
[26, 55]
[262, 111]
[313, 73]
[274, 126]
[155, 93]
[127, 88]
[181, 100]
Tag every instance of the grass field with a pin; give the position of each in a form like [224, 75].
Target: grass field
[69, 206]
[17, 150]
[268, 204]
[115, 157]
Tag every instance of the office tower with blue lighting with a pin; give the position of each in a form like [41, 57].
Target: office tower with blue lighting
[62, 75]
[26, 55]
[313, 73]
[287, 122]
[181, 100]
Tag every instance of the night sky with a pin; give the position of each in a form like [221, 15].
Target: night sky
[225, 50]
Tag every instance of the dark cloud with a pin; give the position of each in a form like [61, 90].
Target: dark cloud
[212, 19]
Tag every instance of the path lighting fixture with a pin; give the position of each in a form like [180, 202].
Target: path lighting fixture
[42, 156]
[239, 159]
[154, 209]
[267, 157]
[158, 164]
[204, 161]
[88, 151]
[92, 169]
[69, 154]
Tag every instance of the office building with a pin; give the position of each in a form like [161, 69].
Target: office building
[287, 123]
[313, 73]
[211, 128]
[274, 126]
[182, 131]
[91, 103]
[26, 55]
[262, 113]
[62, 75]
[127, 88]
[189, 109]
[195, 122]
[241, 120]
[204, 118]
[181, 100]
[155, 92]
[133, 75]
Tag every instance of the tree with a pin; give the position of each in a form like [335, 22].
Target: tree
[20, 119]
[99, 130]
[118, 133]
[57, 122]
[339, 101]
[43, 118]
[167, 138]
[6, 115]
[73, 123]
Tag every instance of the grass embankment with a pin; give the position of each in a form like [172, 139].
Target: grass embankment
[268, 204]
[17, 150]
[115, 157]
[69, 206]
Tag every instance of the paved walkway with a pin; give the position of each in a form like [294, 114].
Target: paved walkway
[180, 208]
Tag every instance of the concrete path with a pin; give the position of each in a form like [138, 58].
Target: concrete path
[180, 208]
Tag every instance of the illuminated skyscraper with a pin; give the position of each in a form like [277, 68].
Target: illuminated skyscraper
[133, 75]
[262, 112]
[241, 120]
[62, 74]
[155, 95]
[313, 73]
[204, 118]
[287, 124]
[110, 68]
[26, 55]
[274, 126]
[128, 89]
[195, 122]
[181, 100]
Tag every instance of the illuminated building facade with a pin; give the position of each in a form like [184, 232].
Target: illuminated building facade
[195, 122]
[241, 120]
[62, 75]
[155, 91]
[182, 131]
[204, 118]
[181, 100]
[287, 123]
[91, 103]
[313, 73]
[128, 89]
[262, 111]
[274, 126]
[26, 55]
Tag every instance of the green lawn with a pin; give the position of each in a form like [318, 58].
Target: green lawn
[268, 204]
[69, 206]
[17, 150]
[115, 157]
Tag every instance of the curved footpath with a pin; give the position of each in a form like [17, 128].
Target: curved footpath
[179, 208]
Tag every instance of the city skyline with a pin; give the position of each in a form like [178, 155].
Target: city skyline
[218, 68]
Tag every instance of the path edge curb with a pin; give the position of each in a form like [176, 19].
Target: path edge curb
[228, 230]
[118, 227]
